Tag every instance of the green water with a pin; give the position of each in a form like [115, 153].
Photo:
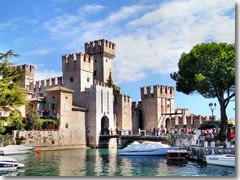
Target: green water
[104, 162]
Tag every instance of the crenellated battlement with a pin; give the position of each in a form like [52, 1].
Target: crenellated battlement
[157, 91]
[136, 105]
[78, 61]
[101, 47]
[100, 83]
[26, 68]
[49, 82]
[124, 98]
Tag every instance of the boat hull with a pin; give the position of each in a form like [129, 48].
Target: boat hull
[158, 152]
[8, 164]
[176, 154]
[221, 160]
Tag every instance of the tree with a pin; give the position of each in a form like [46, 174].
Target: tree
[32, 119]
[209, 70]
[15, 120]
[11, 96]
[110, 83]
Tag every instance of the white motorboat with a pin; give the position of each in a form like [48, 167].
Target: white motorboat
[9, 164]
[145, 149]
[222, 160]
[15, 149]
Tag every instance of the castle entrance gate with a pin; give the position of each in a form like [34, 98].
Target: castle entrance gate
[168, 124]
[104, 125]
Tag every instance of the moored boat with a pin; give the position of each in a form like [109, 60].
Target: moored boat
[145, 149]
[9, 164]
[15, 149]
[221, 160]
[176, 154]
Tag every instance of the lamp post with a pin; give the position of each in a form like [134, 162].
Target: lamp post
[212, 107]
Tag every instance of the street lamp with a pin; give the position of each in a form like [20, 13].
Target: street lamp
[212, 107]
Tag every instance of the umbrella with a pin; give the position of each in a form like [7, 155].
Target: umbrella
[210, 125]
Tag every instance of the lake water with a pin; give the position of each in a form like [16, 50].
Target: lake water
[104, 162]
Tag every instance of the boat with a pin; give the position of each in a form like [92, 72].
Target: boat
[175, 154]
[145, 149]
[221, 160]
[15, 149]
[9, 164]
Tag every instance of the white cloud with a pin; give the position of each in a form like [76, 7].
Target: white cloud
[39, 52]
[41, 75]
[150, 37]
[90, 9]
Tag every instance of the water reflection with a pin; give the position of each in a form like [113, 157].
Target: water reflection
[104, 162]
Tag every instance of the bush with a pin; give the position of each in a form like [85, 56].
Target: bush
[49, 123]
[32, 119]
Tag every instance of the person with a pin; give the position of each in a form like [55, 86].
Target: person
[200, 139]
[154, 131]
[139, 132]
[117, 131]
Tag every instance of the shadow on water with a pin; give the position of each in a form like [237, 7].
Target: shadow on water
[179, 163]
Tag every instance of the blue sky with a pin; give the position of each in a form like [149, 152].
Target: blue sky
[150, 36]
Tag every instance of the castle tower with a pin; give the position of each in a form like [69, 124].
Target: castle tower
[77, 74]
[103, 52]
[157, 105]
[28, 80]
[123, 111]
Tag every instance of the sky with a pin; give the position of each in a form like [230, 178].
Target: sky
[150, 36]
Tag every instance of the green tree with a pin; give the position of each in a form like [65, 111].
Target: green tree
[32, 119]
[110, 83]
[209, 70]
[11, 96]
[15, 120]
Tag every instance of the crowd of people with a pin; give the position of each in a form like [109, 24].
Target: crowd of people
[164, 131]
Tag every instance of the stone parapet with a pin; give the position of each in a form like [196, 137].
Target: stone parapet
[158, 91]
[102, 47]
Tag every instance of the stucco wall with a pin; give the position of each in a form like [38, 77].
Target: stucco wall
[100, 104]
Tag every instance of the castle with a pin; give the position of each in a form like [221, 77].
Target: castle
[85, 104]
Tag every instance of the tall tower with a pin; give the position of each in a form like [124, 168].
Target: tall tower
[156, 106]
[77, 74]
[103, 52]
[28, 80]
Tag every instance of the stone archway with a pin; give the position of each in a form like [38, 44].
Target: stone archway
[168, 124]
[104, 125]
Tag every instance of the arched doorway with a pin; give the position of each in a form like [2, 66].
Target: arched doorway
[104, 125]
[168, 124]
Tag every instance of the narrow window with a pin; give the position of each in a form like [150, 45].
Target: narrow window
[108, 102]
[66, 107]
[66, 97]
[95, 73]
[88, 79]
[71, 79]
[66, 125]
[49, 107]
[102, 101]
[53, 97]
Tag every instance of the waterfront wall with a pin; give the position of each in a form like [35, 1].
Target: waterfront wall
[47, 139]
[184, 139]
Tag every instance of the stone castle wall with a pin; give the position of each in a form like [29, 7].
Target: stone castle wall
[100, 109]
[123, 111]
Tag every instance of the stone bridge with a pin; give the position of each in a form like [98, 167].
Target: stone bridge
[124, 140]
